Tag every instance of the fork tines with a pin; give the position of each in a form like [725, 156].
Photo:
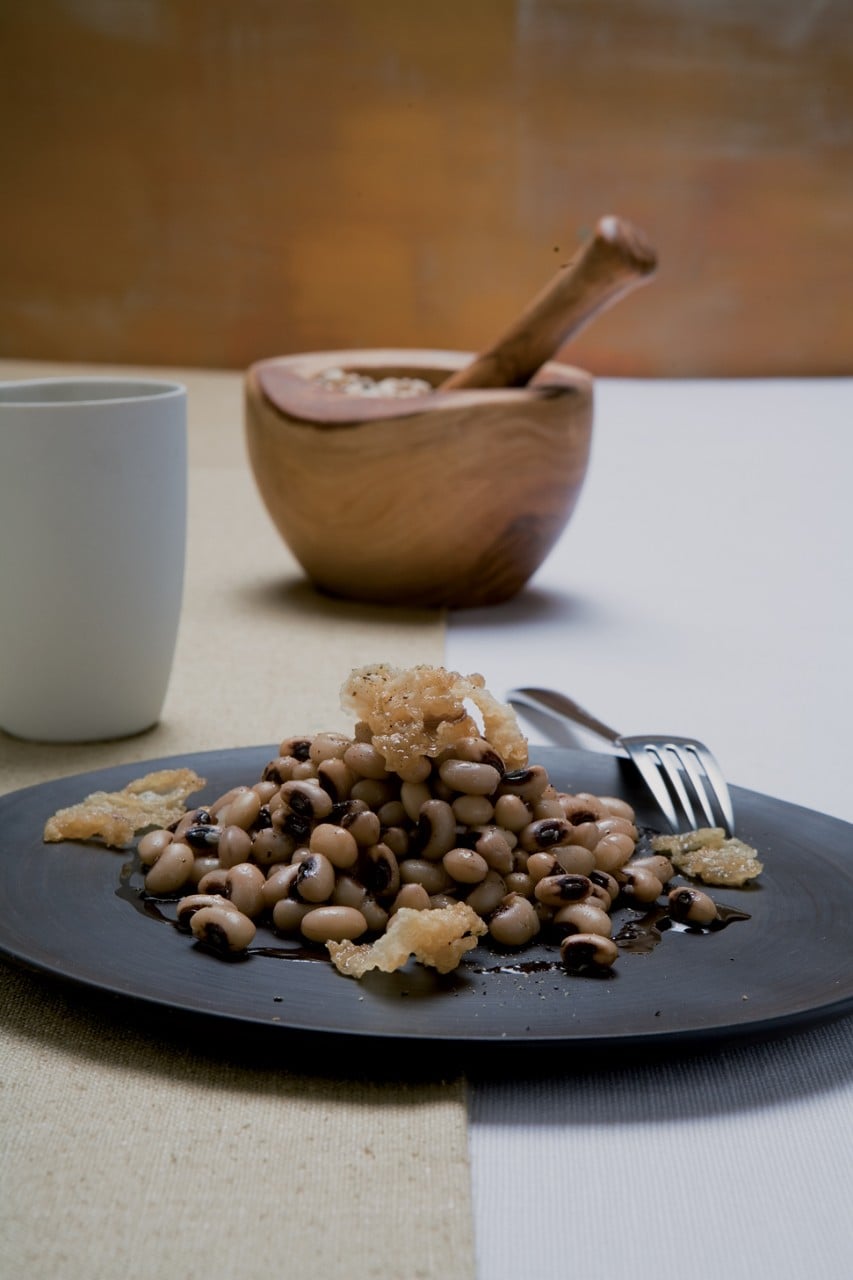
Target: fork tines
[684, 772]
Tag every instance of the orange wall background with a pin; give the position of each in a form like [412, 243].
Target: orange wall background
[210, 183]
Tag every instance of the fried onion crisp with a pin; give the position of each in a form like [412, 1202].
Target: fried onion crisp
[156, 800]
[438, 938]
[709, 856]
[421, 710]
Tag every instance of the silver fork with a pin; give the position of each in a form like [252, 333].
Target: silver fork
[678, 770]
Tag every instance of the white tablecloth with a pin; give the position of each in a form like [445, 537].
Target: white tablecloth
[702, 588]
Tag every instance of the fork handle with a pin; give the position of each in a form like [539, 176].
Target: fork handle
[561, 707]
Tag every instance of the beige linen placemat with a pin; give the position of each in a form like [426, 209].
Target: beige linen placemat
[129, 1150]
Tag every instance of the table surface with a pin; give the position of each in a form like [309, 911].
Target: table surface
[702, 588]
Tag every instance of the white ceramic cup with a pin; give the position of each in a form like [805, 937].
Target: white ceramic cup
[93, 503]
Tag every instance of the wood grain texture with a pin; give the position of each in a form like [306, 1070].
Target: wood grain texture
[213, 184]
[455, 503]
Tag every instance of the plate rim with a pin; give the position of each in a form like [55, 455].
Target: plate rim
[110, 776]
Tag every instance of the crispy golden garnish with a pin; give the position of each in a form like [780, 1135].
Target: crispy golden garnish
[709, 856]
[438, 938]
[420, 711]
[157, 800]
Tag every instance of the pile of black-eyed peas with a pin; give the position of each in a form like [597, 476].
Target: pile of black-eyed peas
[329, 844]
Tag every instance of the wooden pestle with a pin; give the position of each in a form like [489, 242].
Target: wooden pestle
[614, 261]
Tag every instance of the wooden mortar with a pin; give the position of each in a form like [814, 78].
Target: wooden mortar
[453, 497]
[450, 498]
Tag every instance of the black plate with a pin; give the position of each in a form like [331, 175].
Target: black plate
[62, 912]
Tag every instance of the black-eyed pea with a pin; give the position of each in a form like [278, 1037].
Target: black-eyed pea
[279, 770]
[474, 749]
[465, 866]
[438, 900]
[619, 808]
[436, 831]
[266, 789]
[223, 928]
[557, 891]
[202, 866]
[658, 865]
[287, 914]
[621, 826]
[152, 845]
[413, 796]
[337, 779]
[392, 814]
[543, 833]
[270, 848]
[413, 896]
[692, 906]
[299, 855]
[221, 802]
[328, 746]
[235, 845]
[304, 770]
[374, 913]
[333, 924]
[397, 840]
[548, 805]
[586, 835]
[528, 784]
[297, 747]
[246, 888]
[374, 792]
[364, 826]
[335, 843]
[172, 870]
[487, 895]
[201, 837]
[588, 952]
[612, 852]
[348, 893]
[601, 896]
[470, 777]
[416, 770]
[519, 882]
[575, 859]
[315, 879]
[540, 865]
[606, 883]
[514, 922]
[639, 884]
[493, 845]
[430, 875]
[242, 811]
[583, 807]
[365, 761]
[512, 813]
[306, 799]
[473, 811]
[379, 870]
[278, 884]
[188, 906]
[583, 917]
[216, 881]
[200, 817]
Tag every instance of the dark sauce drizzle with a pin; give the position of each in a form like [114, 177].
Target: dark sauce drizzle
[638, 936]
